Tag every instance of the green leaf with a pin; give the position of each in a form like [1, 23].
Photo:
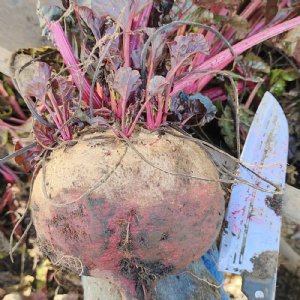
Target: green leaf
[261, 91]
[287, 75]
[226, 123]
[278, 88]
[290, 75]
[278, 79]
[275, 75]
[41, 274]
[8, 89]
[5, 109]
[246, 118]
[219, 105]
[3, 137]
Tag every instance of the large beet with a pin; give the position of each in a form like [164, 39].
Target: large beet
[100, 202]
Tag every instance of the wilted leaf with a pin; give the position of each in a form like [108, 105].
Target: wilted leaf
[126, 81]
[256, 63]
[240, 25]
[93, 22]
[271, 9]
[207, 103]
[184, 46]
[157, 85]
[62, 89]
[28, 159]
[290, 43]
[37, 85]
[185, 106]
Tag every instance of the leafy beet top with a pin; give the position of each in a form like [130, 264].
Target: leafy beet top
[145, 62]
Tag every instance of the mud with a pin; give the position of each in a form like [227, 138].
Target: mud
[143, 273]
[264, 265]
[275, 204]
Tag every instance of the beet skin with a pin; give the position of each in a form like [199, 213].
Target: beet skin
[102, 200]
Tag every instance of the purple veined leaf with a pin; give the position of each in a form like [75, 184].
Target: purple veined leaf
[118, 10]
[126, 81]
[37, 86]
[93, 22]
[157, 85]
[62, 90]
[184, 46]
[43, 135]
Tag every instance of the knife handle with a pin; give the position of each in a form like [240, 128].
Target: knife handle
[259, 289]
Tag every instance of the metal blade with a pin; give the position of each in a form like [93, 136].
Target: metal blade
[250, 241]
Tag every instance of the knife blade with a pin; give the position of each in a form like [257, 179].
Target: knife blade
[250, 239]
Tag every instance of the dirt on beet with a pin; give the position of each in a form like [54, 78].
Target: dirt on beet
[129, 200]
[143, 273]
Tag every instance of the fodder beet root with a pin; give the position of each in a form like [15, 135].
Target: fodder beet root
[99, 202]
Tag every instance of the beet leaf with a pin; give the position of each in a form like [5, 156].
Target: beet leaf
[37, 86]
[118, 10]
[184, 46]
[126, 81]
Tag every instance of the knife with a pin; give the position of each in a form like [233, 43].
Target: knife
[251, 235]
